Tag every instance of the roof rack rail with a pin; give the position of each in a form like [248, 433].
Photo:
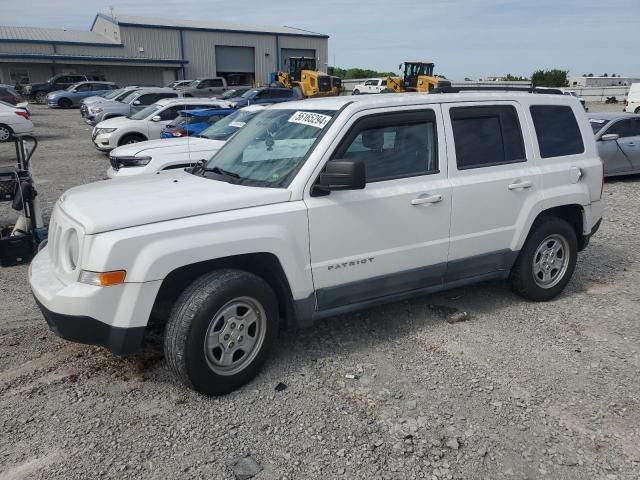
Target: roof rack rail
[450, 89]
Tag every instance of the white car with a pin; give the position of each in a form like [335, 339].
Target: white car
[317, 208]
[146, 124]
[14, 122]
[165, 154]
[375, 85]
[632, 102]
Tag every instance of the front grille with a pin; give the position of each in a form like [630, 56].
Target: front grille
[83, 110]
[115, 164]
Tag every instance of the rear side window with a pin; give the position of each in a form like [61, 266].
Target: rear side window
[486, 136]
[217, 82]
[557, 130]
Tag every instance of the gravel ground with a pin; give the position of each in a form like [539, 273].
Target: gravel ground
[520, 390]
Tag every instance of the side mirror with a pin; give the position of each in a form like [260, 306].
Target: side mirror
[342, 175]
[610, 137]
[136, 102]
[156, 118]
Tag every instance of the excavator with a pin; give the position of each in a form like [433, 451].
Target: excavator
[304, 75]
[417, 77]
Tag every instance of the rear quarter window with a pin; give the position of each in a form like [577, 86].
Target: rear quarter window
[557, 131]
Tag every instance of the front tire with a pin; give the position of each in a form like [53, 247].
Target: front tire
[221, 330]
[547, 260]
[64, 103]
[637, 110]
[355, 92]
[131, 138]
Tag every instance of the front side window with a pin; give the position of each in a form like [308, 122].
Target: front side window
[557, 131]
[485, 136]
[85, 87]
[393, 145]
[625, 128]
[270, 149]
[597, 124]
[216, 82]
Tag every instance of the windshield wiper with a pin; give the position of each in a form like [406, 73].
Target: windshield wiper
[220, 171]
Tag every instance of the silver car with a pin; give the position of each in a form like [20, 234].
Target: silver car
[618, 140]
[130, 104]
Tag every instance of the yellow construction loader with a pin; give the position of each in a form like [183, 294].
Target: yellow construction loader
[304, 75]
[417, 77]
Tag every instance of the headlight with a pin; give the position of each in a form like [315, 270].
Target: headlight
[105, 130]
[95, 109]
[102, 279]
[71, 249]
[126, 162]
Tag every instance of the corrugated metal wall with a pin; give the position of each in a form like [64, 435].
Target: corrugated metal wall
[156, 42]
[107, 29]
[199, 49]
[320, 45]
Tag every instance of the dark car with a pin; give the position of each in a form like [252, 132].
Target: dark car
[39, 91]
[9, 95]
[193, 122]
[265, 95]
[618, 140]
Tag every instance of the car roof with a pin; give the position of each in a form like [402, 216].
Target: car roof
[399, 99]
[201, 111]
[611, 115]
[95, 81]
[209, 101]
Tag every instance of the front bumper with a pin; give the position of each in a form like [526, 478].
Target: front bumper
[113, 317]
[103, 142]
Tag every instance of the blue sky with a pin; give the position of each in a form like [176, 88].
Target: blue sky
[465, 38]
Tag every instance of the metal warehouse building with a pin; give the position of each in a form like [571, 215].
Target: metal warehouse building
[151, 51]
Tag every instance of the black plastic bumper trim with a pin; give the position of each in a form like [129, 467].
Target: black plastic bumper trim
[81, 329]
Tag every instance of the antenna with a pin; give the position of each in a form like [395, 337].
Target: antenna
[113, 22]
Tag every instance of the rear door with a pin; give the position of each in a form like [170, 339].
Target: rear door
[492, 179]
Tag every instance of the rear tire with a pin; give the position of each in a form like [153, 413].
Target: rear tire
[547, 260]
[6, 133]
[131, 138]
[221, 330]
[41, 98]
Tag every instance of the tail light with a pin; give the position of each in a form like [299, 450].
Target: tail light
[179, 133]
[22, 113]
[602, 184]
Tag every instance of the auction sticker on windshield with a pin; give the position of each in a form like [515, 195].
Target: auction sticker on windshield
[312, 119]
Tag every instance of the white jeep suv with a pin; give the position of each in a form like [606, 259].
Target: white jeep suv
[320, 207]
[147, 123]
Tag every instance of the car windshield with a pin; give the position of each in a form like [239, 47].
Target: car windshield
[229, 125]
[113, 93]
[145, 112]
[195, 83]
[231, 93]
[597, 124]
[249, 93]
[72, 87]
[269, 150]
[127, 98]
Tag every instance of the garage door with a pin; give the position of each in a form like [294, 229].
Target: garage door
[294, 52]
[235, 59]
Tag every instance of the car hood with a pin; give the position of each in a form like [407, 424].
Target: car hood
[94, 99]
[118, 122]
[168, 146]
[140, 200]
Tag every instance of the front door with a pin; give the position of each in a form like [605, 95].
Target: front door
[391, 237]
[629, 141]
[491, 180]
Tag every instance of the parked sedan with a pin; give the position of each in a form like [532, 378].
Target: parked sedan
[618, 141]
[193, 122]
[112, 96]
[266, 95]
[146, 124]
[72, 96]
[14, 122]
[156, 155]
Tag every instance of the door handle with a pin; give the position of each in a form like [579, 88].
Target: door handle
[520, 184]
[425, 198]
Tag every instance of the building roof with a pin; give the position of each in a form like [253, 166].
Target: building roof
[207, 25]
[52, 35]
